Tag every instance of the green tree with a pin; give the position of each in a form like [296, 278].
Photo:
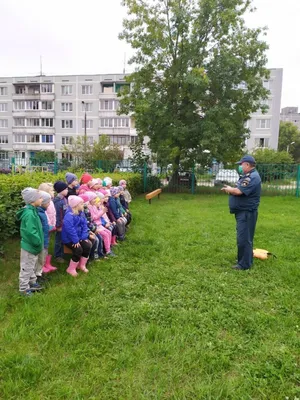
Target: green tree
[103, 150]
[80, 151]
[198, 77]
[289, 139]
[269, 156]
[138, 158]
[41, 157]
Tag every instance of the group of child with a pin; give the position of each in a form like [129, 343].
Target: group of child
[88, 217]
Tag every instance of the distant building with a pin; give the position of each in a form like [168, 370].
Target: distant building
[47, 112]
[264, 128]
[290, 114]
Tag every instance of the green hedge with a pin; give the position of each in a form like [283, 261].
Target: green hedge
[12, 185]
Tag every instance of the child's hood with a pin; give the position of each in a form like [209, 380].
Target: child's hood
[23, 212]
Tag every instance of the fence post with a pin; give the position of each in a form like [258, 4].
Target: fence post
[55, 169]
[298, 181]
[145, 177]
[193, 180]
[13, 165]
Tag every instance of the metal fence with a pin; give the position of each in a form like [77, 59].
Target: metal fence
[277, 179]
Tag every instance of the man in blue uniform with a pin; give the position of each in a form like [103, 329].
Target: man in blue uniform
[243, 203]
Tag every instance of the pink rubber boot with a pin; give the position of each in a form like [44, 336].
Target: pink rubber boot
[114, 240]
[72, 268]
[48, 264]
[82, 264]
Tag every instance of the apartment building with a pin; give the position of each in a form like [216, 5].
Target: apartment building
[290, 114]
[264, 128]
[47, 112]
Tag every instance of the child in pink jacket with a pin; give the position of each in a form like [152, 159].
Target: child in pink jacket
[97, 217]
[51, 216]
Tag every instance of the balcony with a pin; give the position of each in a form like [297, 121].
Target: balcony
[33, 146]
[111, 95]
[47, 96]
[34, 113]
[32, 129]
[114, 131]
[26, 96]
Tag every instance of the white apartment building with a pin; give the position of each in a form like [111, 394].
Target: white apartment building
[290, 114]
[47, 112]
[264, 128]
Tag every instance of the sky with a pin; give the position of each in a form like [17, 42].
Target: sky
[82, 38]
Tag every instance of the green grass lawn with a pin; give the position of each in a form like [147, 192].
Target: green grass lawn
[168, 318]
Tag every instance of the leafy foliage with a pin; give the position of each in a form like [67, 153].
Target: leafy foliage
[192, 58]
[270, 156]
[289, 139]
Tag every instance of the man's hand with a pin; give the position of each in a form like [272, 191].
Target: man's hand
[76, 245]
[226, 189]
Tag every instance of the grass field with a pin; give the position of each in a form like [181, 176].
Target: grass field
[167, 318]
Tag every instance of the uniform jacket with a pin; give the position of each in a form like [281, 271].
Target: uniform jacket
[32, 236]
[74, 227]
[45, 226]
[250, 186]
[61, 206]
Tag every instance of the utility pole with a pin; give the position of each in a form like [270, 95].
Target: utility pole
[85, 138]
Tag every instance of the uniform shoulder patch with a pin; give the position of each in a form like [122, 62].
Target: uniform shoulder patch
[245, 182]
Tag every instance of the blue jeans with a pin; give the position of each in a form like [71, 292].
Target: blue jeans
[245, 228]
[58, 247]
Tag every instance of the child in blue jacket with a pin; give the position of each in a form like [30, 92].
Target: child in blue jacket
[76, 235]
[61, 205]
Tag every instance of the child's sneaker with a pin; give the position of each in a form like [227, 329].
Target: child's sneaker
[35, 287]
[26, 293]
[41, 279]
[111, 254]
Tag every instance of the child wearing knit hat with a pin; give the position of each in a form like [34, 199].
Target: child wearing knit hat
[51, 217]
[32, 241]
[85, 183]
[42, 265]
[76, 235]
[72, 182]
[61, 205]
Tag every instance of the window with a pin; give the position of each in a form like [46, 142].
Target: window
[120, 140]
[67, 156]
[86, 107]
[67, 123]
[106, 122]
[3, 123]
[19, 105]
[19, 138]
[46, 88]
[47, 105]
[122, 86]
[121, 122]
[20, 89]
[106, 105]
[19, 121]
[3, 91]
[133, 139]
[66, 107]
[66, 140]
[4, 139]
[33, 138]
[263, 123]
[108, 88]
[33, 122]
[87, 89]
[3, 107]
[66, 90]
[47, 138]
[47, 122]
[3, 155]
[89, 124]
[261, 142]
[266, 84]
[32, 105]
